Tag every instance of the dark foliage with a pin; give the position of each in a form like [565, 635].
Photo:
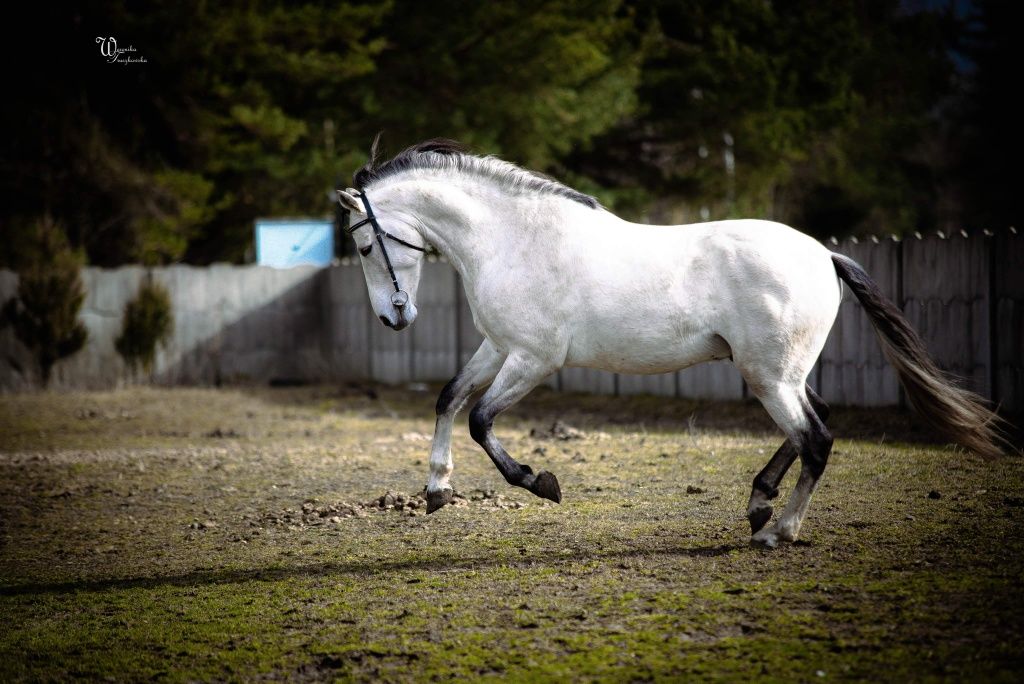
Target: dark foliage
[44, 314]
[836, 117]
[148, 321]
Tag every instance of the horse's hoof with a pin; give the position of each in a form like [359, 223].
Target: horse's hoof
[438, 499]
[546, 487]
[764, 541]
[759, 518]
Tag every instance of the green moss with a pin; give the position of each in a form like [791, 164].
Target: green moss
[101, 574]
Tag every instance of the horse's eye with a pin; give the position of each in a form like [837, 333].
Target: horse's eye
[365, 250]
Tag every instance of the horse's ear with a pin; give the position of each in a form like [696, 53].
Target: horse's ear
[347, 198]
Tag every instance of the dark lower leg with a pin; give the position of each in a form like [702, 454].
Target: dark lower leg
[816, 445]
[766, 483]
[543, 484]
[766, 486]
[818, 404]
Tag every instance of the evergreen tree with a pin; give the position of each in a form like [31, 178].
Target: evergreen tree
[44, 314]
[147, 323]
[807, 112]
[988, 134]
[832, 116]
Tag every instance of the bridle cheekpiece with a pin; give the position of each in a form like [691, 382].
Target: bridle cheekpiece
[400, 297]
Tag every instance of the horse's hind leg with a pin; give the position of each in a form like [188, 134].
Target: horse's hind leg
[766, 484]
[520, 374]
[480, 370]
[791, 409]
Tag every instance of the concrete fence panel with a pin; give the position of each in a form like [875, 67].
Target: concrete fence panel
[249, 323]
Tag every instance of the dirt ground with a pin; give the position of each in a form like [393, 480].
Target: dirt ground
[277, 534]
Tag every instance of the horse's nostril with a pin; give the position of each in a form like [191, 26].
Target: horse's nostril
[385, 321]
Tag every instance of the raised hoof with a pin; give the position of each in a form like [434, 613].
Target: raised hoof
[436, 500]
[546, 487]
[759, 518]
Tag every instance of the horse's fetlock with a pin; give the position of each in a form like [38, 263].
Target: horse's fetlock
[520, 478]
[759, 517]
[769, 491]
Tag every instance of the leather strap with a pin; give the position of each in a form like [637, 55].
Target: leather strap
[380, 239]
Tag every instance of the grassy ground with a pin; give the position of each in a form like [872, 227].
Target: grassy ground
[237, 534]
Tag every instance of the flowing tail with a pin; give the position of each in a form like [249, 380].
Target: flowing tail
[956, 413]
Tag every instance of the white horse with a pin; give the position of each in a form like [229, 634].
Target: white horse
[555, 280]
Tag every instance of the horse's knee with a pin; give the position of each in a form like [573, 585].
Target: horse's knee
[480, 422]
[446, 400]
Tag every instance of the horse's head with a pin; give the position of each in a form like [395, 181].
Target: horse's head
[391, 252]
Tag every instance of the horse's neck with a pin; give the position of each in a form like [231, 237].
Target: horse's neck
[472, 227]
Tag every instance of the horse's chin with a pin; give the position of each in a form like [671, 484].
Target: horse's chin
[407, 317]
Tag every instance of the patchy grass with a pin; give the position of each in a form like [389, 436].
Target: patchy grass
[161, 534]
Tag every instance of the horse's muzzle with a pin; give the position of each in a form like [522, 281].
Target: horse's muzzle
[402, 323]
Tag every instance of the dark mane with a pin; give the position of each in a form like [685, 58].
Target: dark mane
[448, 155]
[403, 161]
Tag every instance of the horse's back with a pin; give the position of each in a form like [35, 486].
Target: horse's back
[762, 244]
[744, 265]
[680, 295]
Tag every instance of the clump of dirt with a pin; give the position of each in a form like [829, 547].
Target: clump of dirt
[559, 431]
[487, 498]
[91, 413]
[220, 433]
[314, 513]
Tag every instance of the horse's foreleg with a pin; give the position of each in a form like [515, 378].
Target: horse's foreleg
[520, 374]
[480, 370]
[766, 484]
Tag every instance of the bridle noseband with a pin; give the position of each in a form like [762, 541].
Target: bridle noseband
[400, 297]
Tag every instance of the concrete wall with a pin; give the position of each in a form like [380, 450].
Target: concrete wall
[231, 323]
[964, 294]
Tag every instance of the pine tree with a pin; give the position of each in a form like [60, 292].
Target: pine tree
[44, 314]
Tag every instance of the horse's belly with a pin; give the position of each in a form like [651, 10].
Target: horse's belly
[646, 353]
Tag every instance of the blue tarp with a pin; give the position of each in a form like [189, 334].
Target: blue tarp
[285, 243]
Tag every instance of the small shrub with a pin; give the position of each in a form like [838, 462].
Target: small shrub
[44, 313]
[148, 321]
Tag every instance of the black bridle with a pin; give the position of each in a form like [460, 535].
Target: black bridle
[400, 297]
